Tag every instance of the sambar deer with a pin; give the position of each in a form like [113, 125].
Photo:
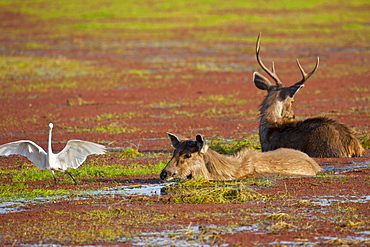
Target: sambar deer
[194, 159]
[318, 137]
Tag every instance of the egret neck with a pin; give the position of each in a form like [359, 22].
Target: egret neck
[51, 159]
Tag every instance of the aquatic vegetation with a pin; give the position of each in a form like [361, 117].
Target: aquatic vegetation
[112, 51]
[129, 153]
[365, 140]
[115, 171]
[93, 170]
[223, 99]
[113, 116]
[32, 74]
[201, 191]
[112, 128]
[233, 146]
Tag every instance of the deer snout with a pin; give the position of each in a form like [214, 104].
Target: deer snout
[167, 176]
[163, 175]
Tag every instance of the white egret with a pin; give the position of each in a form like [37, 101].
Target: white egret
[72, 156]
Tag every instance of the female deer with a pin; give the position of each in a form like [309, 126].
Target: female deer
[194, 159]
[318, 137]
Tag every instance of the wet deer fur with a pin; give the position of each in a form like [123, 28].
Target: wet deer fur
[194, 159]
[318, 137]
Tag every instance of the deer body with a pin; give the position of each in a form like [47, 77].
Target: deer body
[194, 159]
[318, 137]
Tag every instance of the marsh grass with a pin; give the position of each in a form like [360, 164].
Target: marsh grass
[114, 171]
[33, 193]
[130, 153]
[111, 128]
[365, 140]
[235, 146]
[201, 191]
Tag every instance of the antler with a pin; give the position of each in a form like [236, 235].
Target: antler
[272, 73]
[305, 76]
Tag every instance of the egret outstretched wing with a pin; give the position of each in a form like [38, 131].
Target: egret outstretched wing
[26, 148]
[76, 151]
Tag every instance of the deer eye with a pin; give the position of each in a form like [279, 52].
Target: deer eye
[187, 156]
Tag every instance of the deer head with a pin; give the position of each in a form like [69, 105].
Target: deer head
[186, 157]
[277, 106]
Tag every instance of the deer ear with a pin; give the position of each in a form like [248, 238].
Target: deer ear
[201, 143]
[174, 140]
[294, 89]
[261, 82]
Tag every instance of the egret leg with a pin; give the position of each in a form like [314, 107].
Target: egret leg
[55, 179]
[74, 180]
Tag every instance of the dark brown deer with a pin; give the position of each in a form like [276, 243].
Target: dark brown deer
[318, 137]
[194, 159]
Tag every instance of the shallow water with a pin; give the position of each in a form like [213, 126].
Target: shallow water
[332, 169]
[190, 236]
[15, 205]
[329, 200]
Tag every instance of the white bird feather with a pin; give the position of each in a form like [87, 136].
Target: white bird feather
[72, 156]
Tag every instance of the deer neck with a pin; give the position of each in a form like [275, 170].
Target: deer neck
[272, 113]
[219, 166]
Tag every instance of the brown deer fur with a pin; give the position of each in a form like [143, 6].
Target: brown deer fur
[318, 137]
[194, 159]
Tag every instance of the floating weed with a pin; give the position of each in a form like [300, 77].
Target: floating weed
[302, 203]
[224, 100]
[234, 146]
[129, 153]
[342, 70]
[347, 242]
[281, 225]
[110, 213]
[164, 104]
[216, 98]
[140, 73]
[38, 71]
[112, 128]
[359, 89]
[126, 115]
[8, 190]
[278, 216]
[185, 113]
[351, 224]
[365, 140]
[201, 191]
[112, 171]
[20, 190]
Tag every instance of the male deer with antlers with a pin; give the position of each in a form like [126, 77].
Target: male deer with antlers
[318, 137]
